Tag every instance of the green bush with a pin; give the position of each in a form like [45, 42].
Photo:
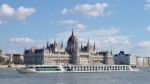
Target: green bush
[2, 59]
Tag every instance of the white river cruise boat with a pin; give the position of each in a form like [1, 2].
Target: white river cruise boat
[75, 68]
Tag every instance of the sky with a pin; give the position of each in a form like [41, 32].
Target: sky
[111, 24]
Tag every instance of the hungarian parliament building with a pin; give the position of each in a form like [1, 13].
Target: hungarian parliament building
[56, 53]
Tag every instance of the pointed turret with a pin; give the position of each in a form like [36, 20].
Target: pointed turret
[72, 33]
[88, 43]
[47, 45]
[43, 47]
[94, 48]
[111, 52]
[81, 46]
[55, 44]
[25, 48]
[62, 44]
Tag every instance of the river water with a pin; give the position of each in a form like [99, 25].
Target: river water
[10, 76]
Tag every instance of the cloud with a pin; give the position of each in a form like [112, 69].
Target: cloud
[81, 26]
[26, 42]
[117, 40]
[1, 22]
[144, 44]
[68, 22]
[148, 29]
[18, 44]
[147, 5]
[90, 10]
[103, 32]
[21, 13]
[21, 40]
[73, 24]
[65, 11]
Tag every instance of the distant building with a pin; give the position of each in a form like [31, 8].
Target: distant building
[5, 56]
[55, 53]
[17, 59]
[133, 60]
[123, 58]
[0, 51]
[9, 57]
[143, 61]
[140, 61]
[148, 61]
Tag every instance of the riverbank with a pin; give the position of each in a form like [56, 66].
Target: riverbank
[13, 66]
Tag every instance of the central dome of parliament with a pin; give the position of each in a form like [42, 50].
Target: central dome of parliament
[72, 43]
[72, 38]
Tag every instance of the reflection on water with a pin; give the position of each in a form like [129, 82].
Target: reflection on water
[10, 76]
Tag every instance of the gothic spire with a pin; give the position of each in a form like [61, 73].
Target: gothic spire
[25, 48]
[47, 45]
[55, 43]
[88, 43]
[62, 44]
[72, 32]
[81, 45]
[111, 52]
[94, 46]
[43, 47]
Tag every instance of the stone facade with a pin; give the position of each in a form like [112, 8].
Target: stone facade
[55, 53]
[17, 59]
[5, 56]
[140, 62]
[143, 61]
[126, 59]
[129, 59]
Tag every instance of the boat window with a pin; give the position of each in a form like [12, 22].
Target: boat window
[104, 68]
[127, 68]
[48, 68]
[107, 68]
[31, 67]
[134, 66]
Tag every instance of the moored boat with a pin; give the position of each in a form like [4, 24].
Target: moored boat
[74, 68]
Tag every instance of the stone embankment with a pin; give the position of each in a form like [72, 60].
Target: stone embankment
[13, 66]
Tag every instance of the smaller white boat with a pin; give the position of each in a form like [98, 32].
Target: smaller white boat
[75, 68]
[41, 69]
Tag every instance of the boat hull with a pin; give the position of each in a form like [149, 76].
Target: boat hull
[75, 68]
